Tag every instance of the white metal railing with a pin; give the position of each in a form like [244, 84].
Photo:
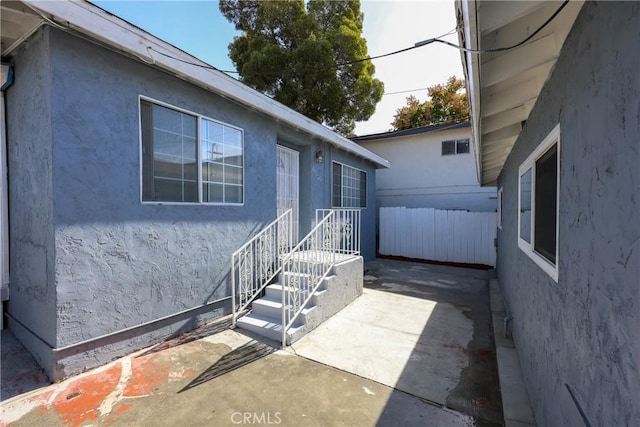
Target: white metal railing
[347, 223]
[258, 261]
[337, 231]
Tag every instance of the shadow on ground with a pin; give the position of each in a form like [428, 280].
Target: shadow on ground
[235, 359]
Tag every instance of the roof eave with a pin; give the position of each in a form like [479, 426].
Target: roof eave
[94, 22]
[468, 38]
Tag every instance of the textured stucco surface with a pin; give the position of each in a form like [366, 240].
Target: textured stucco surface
[88, 257]
[584, 331]
[30, 160]
[120, 263]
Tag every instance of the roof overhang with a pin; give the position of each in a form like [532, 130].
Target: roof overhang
[504, 86]
[91, 21]
[17, 22]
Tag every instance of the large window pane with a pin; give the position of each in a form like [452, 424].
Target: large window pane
[525, 206]
[169, 154]
[349, 187]
[222, 162]
[546, 203]
[170, 160]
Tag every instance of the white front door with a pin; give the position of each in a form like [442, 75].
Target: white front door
[287, 177]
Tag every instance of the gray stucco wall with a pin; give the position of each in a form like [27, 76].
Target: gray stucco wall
[32, 304]
[584, 331]
[120, 263]
[97, 259]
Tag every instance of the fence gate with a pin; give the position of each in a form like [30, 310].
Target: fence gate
[438, 235]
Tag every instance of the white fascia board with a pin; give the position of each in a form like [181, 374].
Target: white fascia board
[469, 32]
[94, 22]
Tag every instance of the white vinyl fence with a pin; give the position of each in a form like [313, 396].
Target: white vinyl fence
[439, 235]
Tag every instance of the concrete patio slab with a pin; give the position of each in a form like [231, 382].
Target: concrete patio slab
[374, 338]
[423, 329]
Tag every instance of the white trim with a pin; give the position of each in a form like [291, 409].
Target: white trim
[92, 21]
[530, 164]
[470, 64]
[199, 118]
[366, 188]
[500, 196]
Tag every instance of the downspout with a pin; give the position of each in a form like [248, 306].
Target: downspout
[7, 80]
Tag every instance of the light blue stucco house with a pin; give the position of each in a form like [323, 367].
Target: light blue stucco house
[134, 173]
[554, 90]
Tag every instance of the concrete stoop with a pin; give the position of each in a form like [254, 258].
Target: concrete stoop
[342, 285]
[516, 405]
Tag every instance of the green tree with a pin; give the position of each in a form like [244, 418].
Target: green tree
[447, 103]
[294, 54]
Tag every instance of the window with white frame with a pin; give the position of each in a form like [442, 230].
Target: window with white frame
[455, 146]
[187, 158]
[538, 204]
[349, 187]
[500, 208]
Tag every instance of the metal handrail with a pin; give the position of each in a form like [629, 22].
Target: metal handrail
[258, 261]
[349, 224]
[310, 261]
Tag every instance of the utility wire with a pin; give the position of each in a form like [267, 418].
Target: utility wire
[497, 49]
[396, 52]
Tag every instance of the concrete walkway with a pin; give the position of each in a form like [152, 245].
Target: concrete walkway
[431, 366]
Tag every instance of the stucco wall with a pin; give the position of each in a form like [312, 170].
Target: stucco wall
[97, 260]
[32, 256]
[584, 331]
[420, 176]
[119, 262]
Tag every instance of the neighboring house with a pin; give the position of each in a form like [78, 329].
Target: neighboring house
[432, 167]
[556, 124]
[135, 171]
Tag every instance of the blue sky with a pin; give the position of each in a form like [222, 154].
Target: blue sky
[198, 28]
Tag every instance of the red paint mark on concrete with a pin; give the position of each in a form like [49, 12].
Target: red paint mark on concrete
[119, 411]
[188, 373]
[80, 401]
[457, 346]
[147, 374]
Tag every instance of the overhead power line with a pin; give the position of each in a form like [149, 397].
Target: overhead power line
[396, 52]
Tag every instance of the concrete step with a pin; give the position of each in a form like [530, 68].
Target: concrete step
[274, 291]
[271, 307]
[266, 326]
[267, 306]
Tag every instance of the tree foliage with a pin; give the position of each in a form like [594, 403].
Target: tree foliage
[291, 53]
[447, 103]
